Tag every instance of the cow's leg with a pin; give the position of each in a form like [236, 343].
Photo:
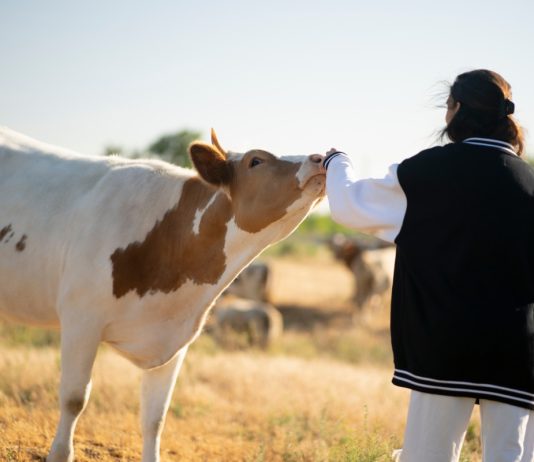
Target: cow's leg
[156, 391]
[78, 351]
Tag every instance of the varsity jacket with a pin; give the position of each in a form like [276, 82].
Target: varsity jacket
[462, 218]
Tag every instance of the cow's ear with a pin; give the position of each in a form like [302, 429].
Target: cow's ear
[210, 163]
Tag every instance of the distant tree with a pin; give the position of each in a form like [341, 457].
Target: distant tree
[113, 150]
[173, 147]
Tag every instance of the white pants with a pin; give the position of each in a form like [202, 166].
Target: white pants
[437, 425]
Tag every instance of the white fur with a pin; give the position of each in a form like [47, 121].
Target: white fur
[199, 214]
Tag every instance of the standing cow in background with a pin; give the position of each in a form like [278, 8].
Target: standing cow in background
[133, 253]
[240, 322]
[252, 283]
[243, 311]
[371, 263]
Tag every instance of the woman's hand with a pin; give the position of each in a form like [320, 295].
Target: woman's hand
[332, 152]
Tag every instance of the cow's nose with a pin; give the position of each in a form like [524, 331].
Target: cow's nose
[316, 158]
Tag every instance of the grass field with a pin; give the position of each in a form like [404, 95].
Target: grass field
[322, 393]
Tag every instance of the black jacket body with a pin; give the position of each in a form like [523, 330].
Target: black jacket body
[463, 292]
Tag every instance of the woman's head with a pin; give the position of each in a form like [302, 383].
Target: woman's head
[479, 105]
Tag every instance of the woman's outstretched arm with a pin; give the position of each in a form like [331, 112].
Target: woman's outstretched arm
[373, 205]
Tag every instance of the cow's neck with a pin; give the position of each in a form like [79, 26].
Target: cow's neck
[242, 247]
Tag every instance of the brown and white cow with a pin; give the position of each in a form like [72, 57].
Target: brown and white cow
[253, 283]
[134, 252]
[371, 262]
[258, 322]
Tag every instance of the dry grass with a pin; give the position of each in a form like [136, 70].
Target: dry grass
[310, 282]
[322, 394]
[227, 406]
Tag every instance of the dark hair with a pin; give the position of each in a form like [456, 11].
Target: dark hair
[485, 109]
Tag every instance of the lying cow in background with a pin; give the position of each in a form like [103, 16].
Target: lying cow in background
[371, 262]
[133, 253]
[252, 283]
[246, 323]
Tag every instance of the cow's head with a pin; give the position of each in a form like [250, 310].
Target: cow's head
[345, 249]
[263, 188]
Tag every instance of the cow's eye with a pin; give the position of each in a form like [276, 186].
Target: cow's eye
[255, 161]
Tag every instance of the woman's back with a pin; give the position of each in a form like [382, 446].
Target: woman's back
[470, 218]
[464, 277]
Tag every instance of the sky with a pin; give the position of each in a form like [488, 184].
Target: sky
[291, 77]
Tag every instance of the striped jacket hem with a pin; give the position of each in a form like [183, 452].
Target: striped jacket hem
[460, 388]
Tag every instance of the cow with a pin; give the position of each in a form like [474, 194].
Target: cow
[134, 252]
[371, 262]
[260, 323]
[252, 283]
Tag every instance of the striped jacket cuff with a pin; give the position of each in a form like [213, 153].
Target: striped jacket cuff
[327, 161]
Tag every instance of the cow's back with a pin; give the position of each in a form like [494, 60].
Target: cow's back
[61, 216]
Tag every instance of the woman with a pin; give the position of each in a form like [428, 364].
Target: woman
[462, 317]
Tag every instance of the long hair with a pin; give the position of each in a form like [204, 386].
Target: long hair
[485, 109]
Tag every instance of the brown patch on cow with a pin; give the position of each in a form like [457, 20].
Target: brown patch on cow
[21, 244]
[157, 426]
[172, 253]
[4, 232]
[75, 406]
[262, 194]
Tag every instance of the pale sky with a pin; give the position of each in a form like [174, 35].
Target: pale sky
[291, 77]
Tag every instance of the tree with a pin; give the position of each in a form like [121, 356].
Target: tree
[174, 147]
[113, 150]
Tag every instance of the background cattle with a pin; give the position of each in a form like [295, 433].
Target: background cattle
[253, 283]
[371, 262]
[238, 322]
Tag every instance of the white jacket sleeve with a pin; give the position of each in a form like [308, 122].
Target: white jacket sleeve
[371, 205]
